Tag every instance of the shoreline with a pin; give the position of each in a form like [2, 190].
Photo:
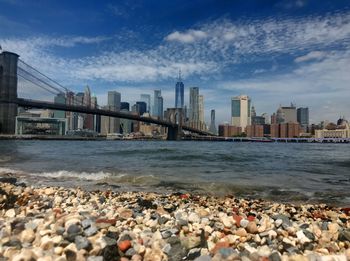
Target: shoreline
[75, 224]
[195, 138]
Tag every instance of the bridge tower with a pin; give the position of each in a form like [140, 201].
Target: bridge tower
[8, 92]
[176, 116]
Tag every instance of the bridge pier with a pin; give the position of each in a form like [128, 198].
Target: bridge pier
[174, 133]
[8, 92]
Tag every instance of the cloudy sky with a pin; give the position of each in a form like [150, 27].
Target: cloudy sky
[277, 52]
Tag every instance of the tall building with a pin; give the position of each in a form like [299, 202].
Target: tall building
[142, 107]
[88, 118]
[160, 107]
[212, 128]
[147, 99]
[60, 99]
[286, 114]
[124, 106]
[158, 104]
[71, 116]
[113, 104]
[240, 111]
[201, 108]
[303, 118]
[96, 118]
[179, 93]
[194, 107]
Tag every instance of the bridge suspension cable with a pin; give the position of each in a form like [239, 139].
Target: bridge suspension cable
[29, 73]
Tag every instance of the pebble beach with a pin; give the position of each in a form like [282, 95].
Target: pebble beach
[56, 223]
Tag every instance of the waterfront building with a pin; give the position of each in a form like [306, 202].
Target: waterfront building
[147, 99]
[60, 99]
[179, 92]
[125, 106]
[240, 111]
[194, 108]
[226, 130]
[255, 130]
[142, 107]
[40, 126]
[285, 130]
[212, 128]
[303, 118]
[341, 130]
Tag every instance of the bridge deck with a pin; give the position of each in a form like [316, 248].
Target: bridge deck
[117, 114]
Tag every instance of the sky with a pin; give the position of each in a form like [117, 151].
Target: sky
[277, 52]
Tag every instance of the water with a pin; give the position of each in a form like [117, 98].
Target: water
[276, 171]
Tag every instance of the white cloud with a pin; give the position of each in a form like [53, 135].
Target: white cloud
[314, 55]
[189, 36]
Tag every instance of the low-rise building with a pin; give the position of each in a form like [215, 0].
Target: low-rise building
[342, 130]
[226, 130]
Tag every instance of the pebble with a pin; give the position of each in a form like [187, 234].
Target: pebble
[72, 224]
[10, 213]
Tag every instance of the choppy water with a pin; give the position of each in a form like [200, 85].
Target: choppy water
[277, 171]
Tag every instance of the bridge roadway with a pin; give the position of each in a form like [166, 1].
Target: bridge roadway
[117, 114]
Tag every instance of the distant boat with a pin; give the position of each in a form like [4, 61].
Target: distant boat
[260, 140]
[114, 136]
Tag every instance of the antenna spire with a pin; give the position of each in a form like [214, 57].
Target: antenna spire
[179, 75]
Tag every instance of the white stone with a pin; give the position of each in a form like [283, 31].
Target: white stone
[244, 223]
[278, 222]
[194, 218]
[27, 236]
[227, 221]
[302, 238]
[10, 213]
[264, 251]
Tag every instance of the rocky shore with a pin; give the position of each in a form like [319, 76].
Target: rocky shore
[51, 223]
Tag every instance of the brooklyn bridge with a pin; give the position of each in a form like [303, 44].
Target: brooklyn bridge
[11, 68]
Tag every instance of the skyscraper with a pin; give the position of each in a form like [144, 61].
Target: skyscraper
[88, 118]
[147, 99]
[158, 104]
[96, 118]
[160, 107]
[59, 99]
[240, 111]
[286, 114]
[303, 118]
[113, 104]
[201, 109]
[212, 128]
[124, 106]
[194, 107]
[142, 107]
[179, 93]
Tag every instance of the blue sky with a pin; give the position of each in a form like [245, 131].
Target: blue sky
[277, 52]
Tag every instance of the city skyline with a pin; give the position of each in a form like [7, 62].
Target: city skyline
[231, 53]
